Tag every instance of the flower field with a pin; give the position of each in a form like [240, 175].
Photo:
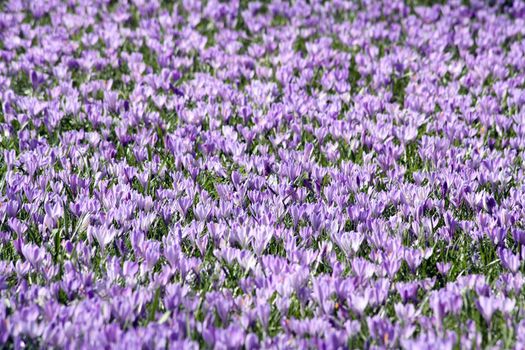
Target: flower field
[262, 175]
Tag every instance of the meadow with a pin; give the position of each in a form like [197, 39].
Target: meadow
[262, 174]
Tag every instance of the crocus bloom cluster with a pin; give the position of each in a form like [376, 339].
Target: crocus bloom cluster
[262, 174]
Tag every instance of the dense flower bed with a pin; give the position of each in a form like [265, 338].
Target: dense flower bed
[236, 174]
